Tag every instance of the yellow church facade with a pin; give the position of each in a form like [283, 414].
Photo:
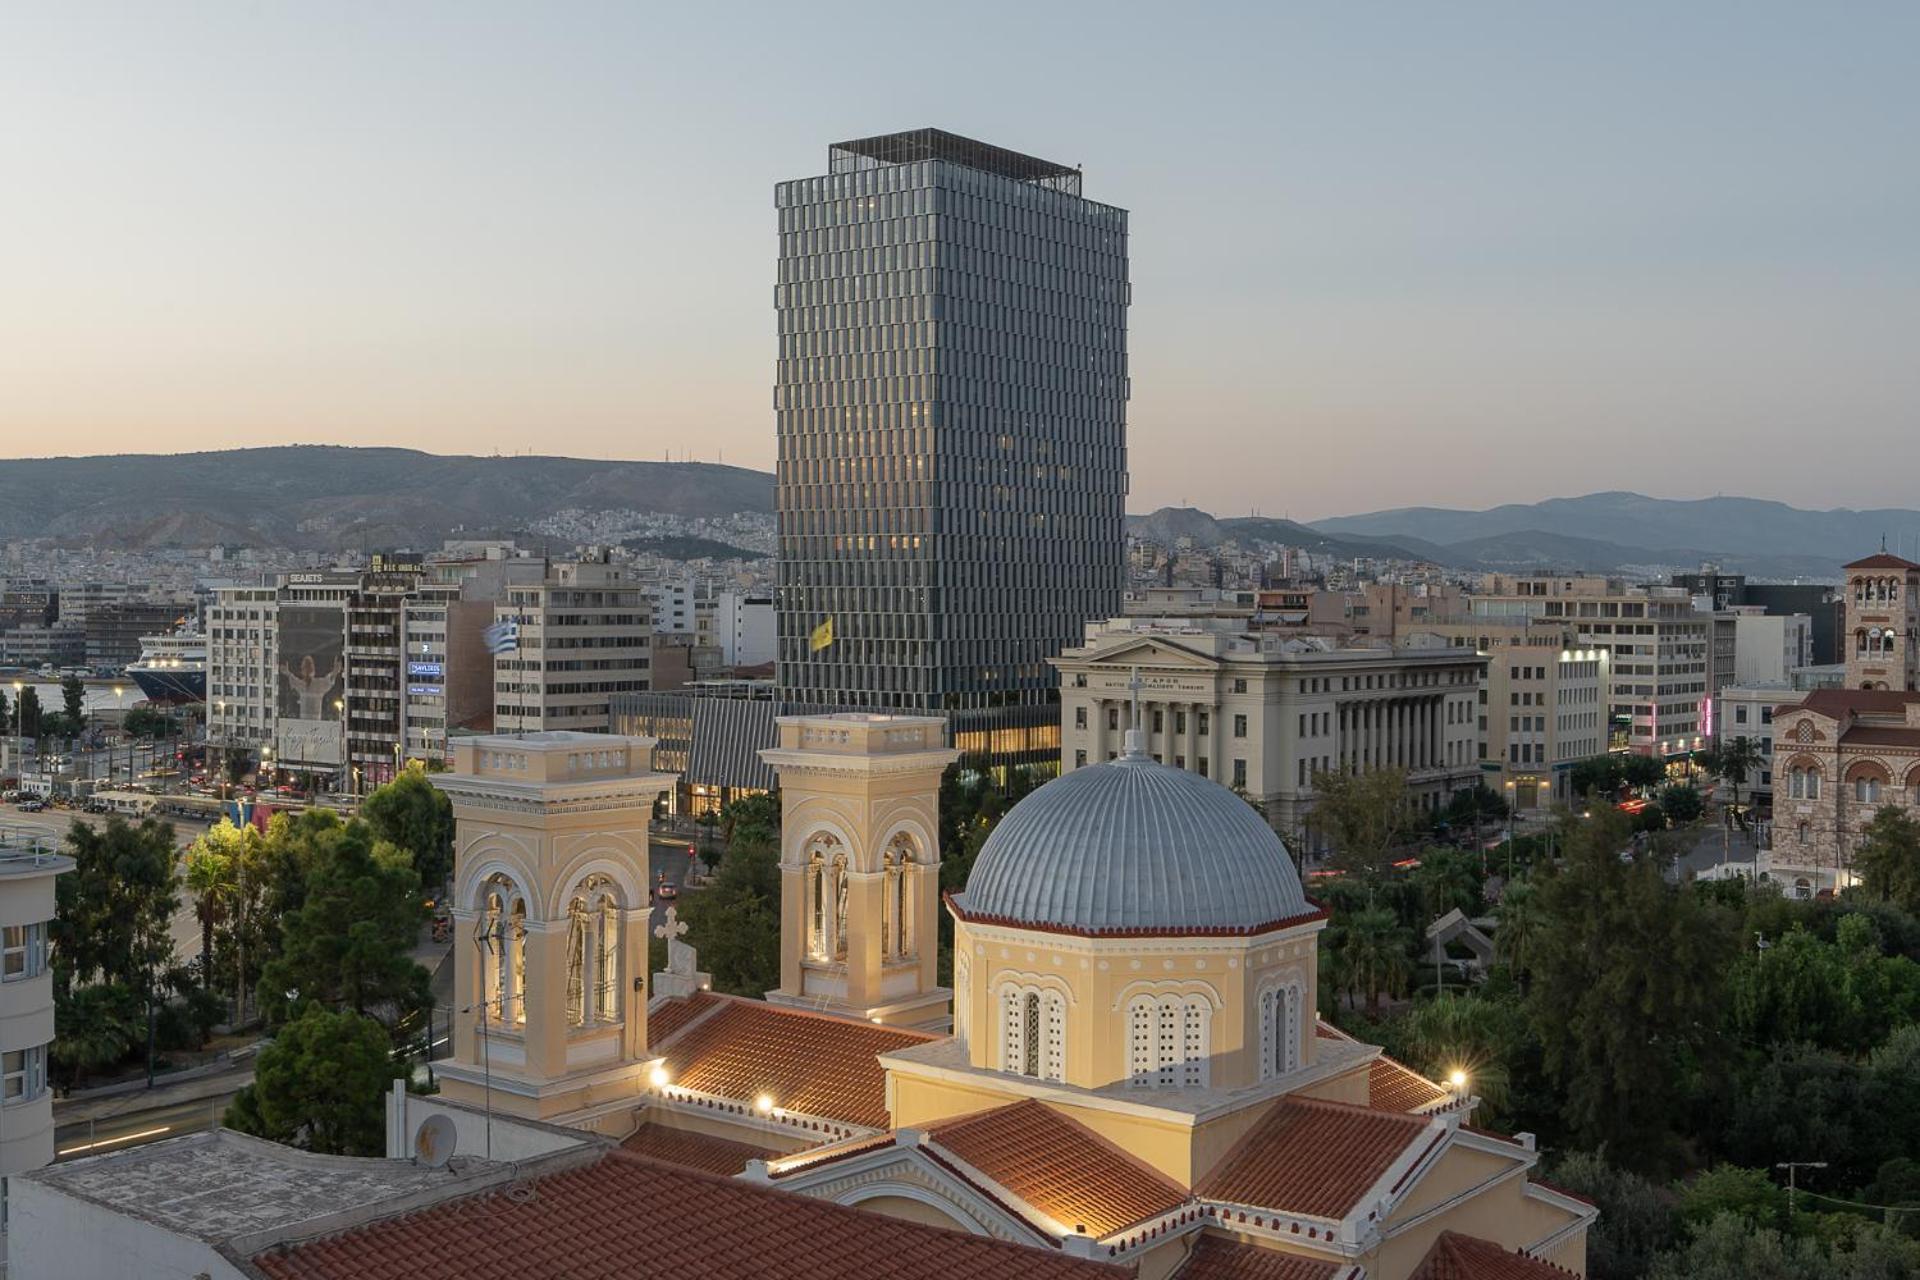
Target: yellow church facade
[1127, 1068]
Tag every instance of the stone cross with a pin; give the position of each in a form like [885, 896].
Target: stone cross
[681, 958]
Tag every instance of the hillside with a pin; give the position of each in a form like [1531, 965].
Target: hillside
[324, 496]
[1169, 524]
[1610, 530]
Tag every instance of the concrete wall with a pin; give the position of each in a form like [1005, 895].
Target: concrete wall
[55, 1236]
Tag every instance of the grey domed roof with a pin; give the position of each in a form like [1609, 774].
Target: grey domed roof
[1136, 847]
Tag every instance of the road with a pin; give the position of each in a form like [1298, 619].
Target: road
[132, 1129]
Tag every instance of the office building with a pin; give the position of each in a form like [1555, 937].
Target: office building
[951, 407]
[584, 634]
[1545, 704]
[739, 625]
[1731, 591]
[1769, 648]
[1668, 657]
[1262, 714]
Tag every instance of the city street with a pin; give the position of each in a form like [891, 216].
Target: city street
[76, 1138]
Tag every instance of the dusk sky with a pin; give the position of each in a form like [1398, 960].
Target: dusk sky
[1382, 254]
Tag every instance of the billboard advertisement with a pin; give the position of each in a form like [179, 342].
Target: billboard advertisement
[310, 678]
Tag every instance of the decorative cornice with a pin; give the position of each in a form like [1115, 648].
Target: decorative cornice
[1319, 913]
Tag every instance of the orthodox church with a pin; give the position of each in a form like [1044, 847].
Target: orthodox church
[1125, 1081]
[1127, 1069]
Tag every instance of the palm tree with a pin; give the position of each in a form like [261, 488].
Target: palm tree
[1734, 761]
[1373, 953]
[1459, 1033]
[1519, 917]
[210, 879]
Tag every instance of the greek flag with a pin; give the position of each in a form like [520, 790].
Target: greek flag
[502, 637]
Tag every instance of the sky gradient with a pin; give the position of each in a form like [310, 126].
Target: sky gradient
[1383, 255]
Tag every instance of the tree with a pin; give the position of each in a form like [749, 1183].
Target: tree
[73, 698]
[212, 867]
[1464, 1033]
[1370, 953]
[27, 712]
[1681, 804]
[417, 816]
[349, 943]
[1599, 776]
[1734, 761]
[1616, 998]
[321, 1085]
[1642, 771]
[145, 722]
[1636, 1222]
[1729, 1248]
[1748, 1194]
[1366, 816]
[1888, 859]
[94, 1027]
[115, 909]
[1519, 927]
[735, 921]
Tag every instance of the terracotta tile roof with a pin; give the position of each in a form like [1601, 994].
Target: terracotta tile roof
[1059, 1166]
[693, 1150]
[807, 1062]
[1394, 1086]
[671, 1016]
[1837, 704]
[1882, 560]
[1313, 1157]
[1880, 736]
[1218, 1258]
[637, 1219]
[1457, 1257]
[1327, 1031]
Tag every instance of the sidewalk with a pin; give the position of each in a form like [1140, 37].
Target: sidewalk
[117, 1100]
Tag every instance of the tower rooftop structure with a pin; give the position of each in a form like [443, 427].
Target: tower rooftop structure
[915, 145]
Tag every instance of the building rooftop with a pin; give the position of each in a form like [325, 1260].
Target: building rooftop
[221, 1185]
[916, 145]
[26, 853]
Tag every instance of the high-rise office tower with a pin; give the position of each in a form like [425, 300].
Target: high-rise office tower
[951, 407]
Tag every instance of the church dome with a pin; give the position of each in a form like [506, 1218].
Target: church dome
[1133, 846]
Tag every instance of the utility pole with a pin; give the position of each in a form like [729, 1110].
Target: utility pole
[1793, 1168]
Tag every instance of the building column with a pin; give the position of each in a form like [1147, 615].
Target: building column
[1193, 735]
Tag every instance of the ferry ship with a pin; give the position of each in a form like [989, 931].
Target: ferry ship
[172, 668]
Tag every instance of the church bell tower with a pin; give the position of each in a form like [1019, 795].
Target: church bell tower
[860, 865]
[550, 909]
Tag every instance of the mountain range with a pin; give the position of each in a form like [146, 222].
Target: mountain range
[1600, 532]
[326, 496]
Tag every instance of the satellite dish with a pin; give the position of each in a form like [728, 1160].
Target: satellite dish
[434, 1141]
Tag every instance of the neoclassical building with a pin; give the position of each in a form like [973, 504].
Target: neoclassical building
[1841, 754]
[1133, 1084]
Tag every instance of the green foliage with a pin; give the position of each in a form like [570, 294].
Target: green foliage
[1616, 998]
[1367, 954]
[1888, 859]
[1800, 1102]
[1642, 771]
[735, 921]
[1681, 804]
[1636, 1219]
[94, 1028]
[146, 722]
[1445, 880]
[1729, 1248]
[1748, 1194]
[1734, 761]
[27, 711]
[1600, 777]
[1367, 817]
[73, 700]
[115, 909]
[1843, 994]
[1476, 802]
[320, 1085]
[347, 944]
[417, 816]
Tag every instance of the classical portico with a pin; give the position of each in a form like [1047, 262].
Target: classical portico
[860, 865]
[550, 908]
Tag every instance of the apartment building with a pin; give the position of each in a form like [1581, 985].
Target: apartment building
[584, 634]
[448, 670]
[1769, 648]
[27, 874]
[1667, 657]
[1264, 714]
[1545, 704]
[739, 625]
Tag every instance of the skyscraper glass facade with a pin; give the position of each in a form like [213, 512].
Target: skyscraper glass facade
[951, 407]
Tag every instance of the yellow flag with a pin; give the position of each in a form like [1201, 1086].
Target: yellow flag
[822, 636]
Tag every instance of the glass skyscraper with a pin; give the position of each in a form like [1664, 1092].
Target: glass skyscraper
[951, 407]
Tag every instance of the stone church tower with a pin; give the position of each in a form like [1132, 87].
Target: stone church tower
[1883, 615]
[860, 865]
[550, 909]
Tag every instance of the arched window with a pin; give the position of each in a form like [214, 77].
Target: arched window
[578, 960]
[1802, 832]
[1033, 1032]
[840, 906]
[1279, 1030]
[593, 953]
[502, 937]
[897, 940]
[607, 986]
[816, 874]
[1866, 790]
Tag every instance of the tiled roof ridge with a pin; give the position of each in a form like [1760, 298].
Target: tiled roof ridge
[820, 1015]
